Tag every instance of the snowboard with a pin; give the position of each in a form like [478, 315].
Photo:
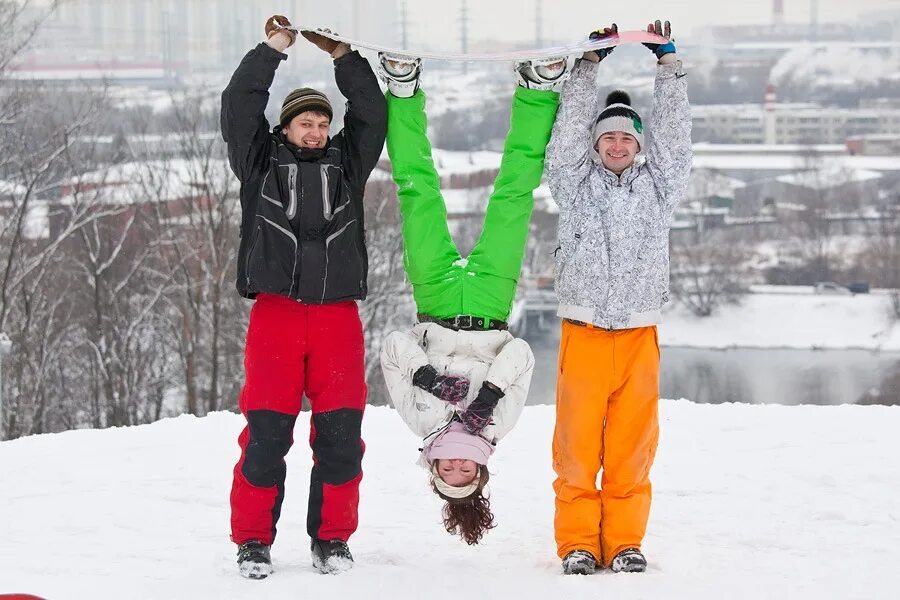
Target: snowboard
[576, 48]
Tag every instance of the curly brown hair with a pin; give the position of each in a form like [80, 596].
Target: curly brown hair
[469, 517]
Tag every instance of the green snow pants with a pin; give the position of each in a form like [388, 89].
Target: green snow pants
[484, 285]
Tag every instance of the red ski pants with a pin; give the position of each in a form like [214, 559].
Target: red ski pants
[292, 349]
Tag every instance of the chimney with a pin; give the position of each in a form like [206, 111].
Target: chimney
[769, 129]
[777, 12]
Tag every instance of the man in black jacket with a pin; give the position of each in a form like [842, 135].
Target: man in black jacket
[303, 259]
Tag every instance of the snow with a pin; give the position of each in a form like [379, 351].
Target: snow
[11, 188]
[741, 161]
[128, 183]
[750, 501]
[466, 201]
[706, 184]
[788, 149]
[786, 319]
[37, 222]
[832, 175]
[452, 162]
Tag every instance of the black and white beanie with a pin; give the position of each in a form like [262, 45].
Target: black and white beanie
[618, 116]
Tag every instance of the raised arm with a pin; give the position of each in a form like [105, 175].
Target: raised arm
[244, 125]
[365, 122]
[669, 153]
[568, 153]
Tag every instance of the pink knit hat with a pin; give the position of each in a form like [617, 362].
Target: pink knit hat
[456, 442]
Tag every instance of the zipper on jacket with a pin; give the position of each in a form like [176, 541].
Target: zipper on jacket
[326, 204]
[249, 254]
[292, 186]
[296, 246]
[328, 241]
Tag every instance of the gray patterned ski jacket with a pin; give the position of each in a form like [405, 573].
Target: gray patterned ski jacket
[612, 260]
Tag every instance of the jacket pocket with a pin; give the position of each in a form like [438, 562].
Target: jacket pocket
[334, 198]
[272, 258]
[343, 268]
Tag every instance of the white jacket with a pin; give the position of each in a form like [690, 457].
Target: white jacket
[496, 356]
[612, 262]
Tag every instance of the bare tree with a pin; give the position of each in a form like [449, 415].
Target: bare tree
[707, 274]
[711, 268]
[389, 305]
[201, 226]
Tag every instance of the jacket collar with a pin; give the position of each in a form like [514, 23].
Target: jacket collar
[628, 175]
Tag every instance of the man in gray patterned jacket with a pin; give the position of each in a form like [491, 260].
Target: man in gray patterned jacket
[612, 279]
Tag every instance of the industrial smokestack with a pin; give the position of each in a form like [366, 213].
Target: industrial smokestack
[777, 12]
[769, 131]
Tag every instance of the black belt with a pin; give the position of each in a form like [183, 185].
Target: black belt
[465, 323]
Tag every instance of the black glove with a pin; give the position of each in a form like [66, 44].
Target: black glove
[661, 50]
[446, 387]
[478, 414]
[599, 34]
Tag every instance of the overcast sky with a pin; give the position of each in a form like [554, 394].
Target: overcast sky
[512, 20]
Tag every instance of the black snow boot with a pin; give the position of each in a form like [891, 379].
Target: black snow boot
[629, 560]
[579, 562]
[254, 560]
[331, 556]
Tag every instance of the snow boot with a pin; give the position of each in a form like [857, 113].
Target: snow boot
[400, 73]
[579, 562]
[629, 560]
[544, 73]
[254, 560]
[331, 556]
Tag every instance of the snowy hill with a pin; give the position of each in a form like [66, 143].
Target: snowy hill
[750, 502]
[788, 317]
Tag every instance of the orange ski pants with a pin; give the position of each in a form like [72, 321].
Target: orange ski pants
[606, 419]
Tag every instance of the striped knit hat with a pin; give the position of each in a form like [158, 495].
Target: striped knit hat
[302, 100]
[619, 116]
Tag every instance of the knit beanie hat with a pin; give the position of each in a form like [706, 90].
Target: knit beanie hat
[618, 116]
[302, 100]
[456, 442]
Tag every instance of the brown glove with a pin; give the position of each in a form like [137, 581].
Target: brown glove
[326, 44]
[280, 24]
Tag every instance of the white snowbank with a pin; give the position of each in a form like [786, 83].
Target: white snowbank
[749, 502]
[788, 320]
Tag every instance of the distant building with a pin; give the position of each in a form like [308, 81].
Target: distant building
[874, 144]
[844, 189]
[793, 123]
[157, 40]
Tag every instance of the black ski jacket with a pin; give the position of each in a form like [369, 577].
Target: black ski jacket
[302, 226]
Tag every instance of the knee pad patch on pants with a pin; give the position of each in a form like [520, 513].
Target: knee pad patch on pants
[271, 435]
[337, 446]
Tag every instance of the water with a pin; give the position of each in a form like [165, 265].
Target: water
[754, 376]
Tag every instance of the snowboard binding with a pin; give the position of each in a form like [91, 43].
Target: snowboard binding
[544, 73]
[400, 73]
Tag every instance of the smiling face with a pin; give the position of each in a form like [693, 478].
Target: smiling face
[308, 129]
[617, 150]
[457, 472]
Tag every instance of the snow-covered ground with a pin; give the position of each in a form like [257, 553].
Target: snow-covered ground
[749, 502]
[773, 319]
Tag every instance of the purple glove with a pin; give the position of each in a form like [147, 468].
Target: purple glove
[478, 414]
[446, 387]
